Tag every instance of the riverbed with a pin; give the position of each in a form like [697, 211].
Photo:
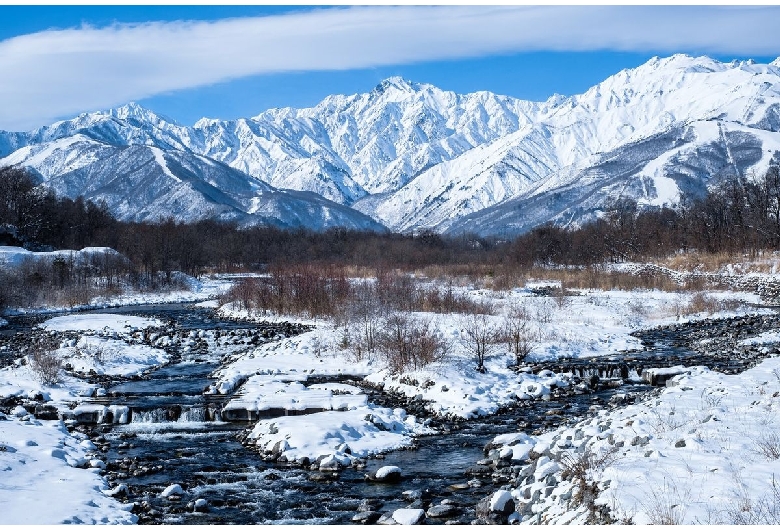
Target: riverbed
[175, 433]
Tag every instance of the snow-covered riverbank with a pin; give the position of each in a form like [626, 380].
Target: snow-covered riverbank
[705, 450]
[269, 375]
[50, 476]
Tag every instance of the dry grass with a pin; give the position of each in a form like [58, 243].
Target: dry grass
[762, 511]
[666, 506]
[768, 444]
[583, 468]
[712, 263]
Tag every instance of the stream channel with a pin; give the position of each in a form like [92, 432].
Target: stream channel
[176, 436]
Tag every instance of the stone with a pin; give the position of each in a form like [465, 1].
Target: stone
[370, 505]
[173, 489]
[385, 474]
[442, 510]
[409, 516]
[366, 517]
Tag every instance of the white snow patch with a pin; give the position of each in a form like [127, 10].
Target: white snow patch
[100, 321]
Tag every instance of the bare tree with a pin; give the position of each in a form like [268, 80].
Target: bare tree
[480, 336]
[517, 333]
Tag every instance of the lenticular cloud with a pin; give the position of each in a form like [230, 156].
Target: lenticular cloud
[54, 73]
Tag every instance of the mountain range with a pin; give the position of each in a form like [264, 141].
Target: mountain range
[409, 156]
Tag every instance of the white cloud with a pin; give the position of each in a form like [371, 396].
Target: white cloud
[55, 73]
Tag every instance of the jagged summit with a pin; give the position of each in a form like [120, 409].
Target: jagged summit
[396, 82]
[413, 156]
[133, 110]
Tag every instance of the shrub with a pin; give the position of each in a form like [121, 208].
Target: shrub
[582, 469]
[409, 344]
[768, 444]
[44, 362]
[518, 337]
[98, 352]
[480, 336]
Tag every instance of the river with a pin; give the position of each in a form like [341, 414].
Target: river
[176, 436]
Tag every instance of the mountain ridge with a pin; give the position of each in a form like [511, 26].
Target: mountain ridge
[412, 156]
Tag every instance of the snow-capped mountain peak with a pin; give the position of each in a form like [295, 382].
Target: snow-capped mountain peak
[413, 156]
[396, 83]
[133, 110]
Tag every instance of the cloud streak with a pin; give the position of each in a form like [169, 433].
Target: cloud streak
[55, 73]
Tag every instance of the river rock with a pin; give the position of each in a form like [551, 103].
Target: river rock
[385, 474]
[366, 517]
[331, 463]
[173, 489]
[479, 471]
[442, 510]
[370, 505]
[494, 509]
[200, 505]
[408, 516]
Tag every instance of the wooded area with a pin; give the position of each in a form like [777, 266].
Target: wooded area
[739, 216]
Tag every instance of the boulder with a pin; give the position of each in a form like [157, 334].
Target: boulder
[442, 510]
[173, 489]
[494, 509]
[385, 474]
[366, 517]
[409, 516]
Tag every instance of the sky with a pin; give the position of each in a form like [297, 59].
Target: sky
[187, 62]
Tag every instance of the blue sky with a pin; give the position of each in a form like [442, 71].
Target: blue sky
[227, 62]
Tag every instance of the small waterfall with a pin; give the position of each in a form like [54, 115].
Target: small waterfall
[159, 415]
[176, 414]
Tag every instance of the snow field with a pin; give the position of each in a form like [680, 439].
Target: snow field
[272, 375]
[703, 451]
[42, 482]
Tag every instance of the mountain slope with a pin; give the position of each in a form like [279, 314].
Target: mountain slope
[145, 183]
[413, 156]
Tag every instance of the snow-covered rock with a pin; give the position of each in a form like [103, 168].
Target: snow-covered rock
[385, 474]
[409, 516]
[173, 489]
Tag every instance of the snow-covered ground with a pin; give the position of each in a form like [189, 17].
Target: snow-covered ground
[589, 324]
[346, 426]
[703, 451]
[42, 480]
[593, 323]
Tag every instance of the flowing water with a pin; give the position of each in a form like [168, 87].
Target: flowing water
[175, 436]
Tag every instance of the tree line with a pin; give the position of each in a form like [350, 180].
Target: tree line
[740, 215]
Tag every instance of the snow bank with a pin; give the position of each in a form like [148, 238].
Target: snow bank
[366, 430]
[100, 322]
[16, 256]
[111, 357]
[41, 481]
[703, 451]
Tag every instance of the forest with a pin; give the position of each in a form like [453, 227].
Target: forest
[738, 216]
